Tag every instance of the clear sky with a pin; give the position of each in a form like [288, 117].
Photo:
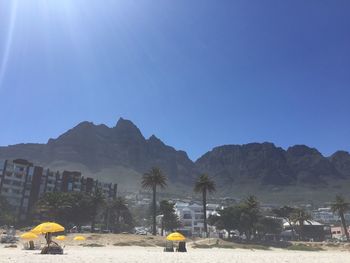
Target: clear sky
[196, 73]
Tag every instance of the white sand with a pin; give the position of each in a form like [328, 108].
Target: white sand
[153, 255]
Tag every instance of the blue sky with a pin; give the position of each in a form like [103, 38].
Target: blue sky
[196, 73]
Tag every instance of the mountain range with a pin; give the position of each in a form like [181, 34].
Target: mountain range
[122, 154]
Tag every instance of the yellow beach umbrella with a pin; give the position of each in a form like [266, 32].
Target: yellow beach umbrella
[29, 236]
[79, 238]
[61, 238]
[47, 227]
[176, 236]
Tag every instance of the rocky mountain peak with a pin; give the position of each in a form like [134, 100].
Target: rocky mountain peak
[127, 129]
[302, 150]
[155, 140]
[101, 149]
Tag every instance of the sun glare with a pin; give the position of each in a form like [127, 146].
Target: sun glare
[8, 41]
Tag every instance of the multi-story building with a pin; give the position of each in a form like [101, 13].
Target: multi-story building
[71, 181]
[325, 215]
[191, 217]
[22, 184]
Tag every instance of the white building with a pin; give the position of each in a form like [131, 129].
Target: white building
[325, 215]
[192, 219]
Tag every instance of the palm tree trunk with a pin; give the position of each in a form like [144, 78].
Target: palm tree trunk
[162, 232]
[108, 211]
[92, 228]
[118, 221]
[205, 211]
[342, 218]
[154, 230]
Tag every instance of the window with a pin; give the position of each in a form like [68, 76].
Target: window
[7, 181]
[188, 224]
[15, 191]
[187, 216]
[16, 183]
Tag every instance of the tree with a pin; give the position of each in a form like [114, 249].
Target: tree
[55, 206]
[151, 180]
[120, 215]
[170, 220]
[340, 206]
[247, 219]
[97, 201]
[268, 225]
[250, 215]
[65, 208]
[300, 216]
[6, 215]
[204, 185]
[80, 208]
[286, 212]
[227, 219]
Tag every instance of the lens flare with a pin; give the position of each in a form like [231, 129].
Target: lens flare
[8, 42]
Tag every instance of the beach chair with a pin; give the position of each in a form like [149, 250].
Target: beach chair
[53, 249]
[169, 246]
[182, 247]
[9, 236]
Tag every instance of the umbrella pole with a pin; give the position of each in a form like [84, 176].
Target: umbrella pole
[48, 238]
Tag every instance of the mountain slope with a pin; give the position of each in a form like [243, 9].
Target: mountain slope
[267, 164]
[122, 154]
[94, 148]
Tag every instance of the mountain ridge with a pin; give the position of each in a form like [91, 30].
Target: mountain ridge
[122, 153]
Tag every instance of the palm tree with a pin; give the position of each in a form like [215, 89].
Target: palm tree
[204, 185]
[300, 216]
[340, 206]
[151, 180]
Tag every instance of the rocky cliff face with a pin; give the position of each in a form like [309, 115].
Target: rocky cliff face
[341, 161]
[98, 147]
[122, 151]
[268, 164]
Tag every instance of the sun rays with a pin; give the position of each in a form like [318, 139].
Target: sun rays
[8, 42]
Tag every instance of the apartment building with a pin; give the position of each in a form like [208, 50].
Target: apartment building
[191, 217]
[326, 215]
[22, 184]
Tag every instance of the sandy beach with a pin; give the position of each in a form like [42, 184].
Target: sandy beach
[135, 254]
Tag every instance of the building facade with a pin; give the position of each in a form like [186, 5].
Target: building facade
[192, 219]
[325, 215]
[339, 233]
[22, 184]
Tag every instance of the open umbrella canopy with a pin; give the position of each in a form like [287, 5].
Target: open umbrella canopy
[79, 238]
[61, 238]
[47, 227]
[29, 236]
[176, 236]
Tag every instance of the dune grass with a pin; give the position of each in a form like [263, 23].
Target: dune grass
[133, 243]
[92, 245]
[303, 247]
[231, 246]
